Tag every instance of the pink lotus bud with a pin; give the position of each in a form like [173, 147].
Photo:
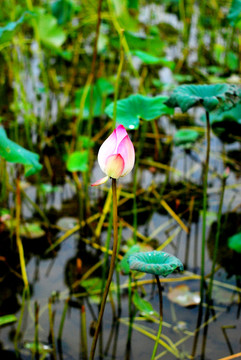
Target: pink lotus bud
[116, 155]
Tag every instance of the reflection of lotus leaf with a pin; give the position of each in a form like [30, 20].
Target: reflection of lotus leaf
[155, 262]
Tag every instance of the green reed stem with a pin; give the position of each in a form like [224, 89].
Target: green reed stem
[210, 287]
[66, 304]
[205, 184]
[84, 334]
[36, 343]
[161, 317]
[51, 325]
[111, 271]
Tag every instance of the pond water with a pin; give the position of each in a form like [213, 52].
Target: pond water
[65, 224]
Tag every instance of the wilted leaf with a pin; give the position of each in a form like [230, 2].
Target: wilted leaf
[182, 295]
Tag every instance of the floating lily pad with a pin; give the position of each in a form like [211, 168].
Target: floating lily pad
[182, 295]
[155, 262]
[187, 96]
[15, 153]
[234, 242]
[136, 107]
[186, 137]
[78, 161]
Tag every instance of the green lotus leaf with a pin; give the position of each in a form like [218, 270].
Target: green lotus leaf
[124, 265]
[7, 32]
[78, 161]
[155, 262]
[143, 306]
[234, 242]
[62, 10]
[187, 96]
[234, 14]
[50, 33]
[185, 137]
[130, 110]
[150, 59]
[6, 319]
[226, 124]
[15, 153]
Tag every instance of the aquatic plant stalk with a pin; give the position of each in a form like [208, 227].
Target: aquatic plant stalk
[161, 317]
[66, 304]
[111, 271]
[210, 287]
[36, 342]
[18, 238]
[51, 330]
[205, 184]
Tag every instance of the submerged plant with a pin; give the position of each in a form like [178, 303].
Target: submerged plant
[116, 158]
[158, 263]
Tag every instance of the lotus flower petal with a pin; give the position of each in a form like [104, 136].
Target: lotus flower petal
[126, 150]
[116, 155]
[107, 148]
[114, 166]
[101, 181]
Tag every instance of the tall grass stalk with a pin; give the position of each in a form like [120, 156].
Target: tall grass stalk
[111, 270]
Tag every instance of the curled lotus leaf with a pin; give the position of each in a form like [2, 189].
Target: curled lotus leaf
[155, 262]
[209, 96]
[186, 137]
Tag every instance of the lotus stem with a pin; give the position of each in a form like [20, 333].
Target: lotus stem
[205, 184]
[161, 316]
[111, 271]
[210, 288]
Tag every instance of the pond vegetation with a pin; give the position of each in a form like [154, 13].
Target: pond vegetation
[143, 102]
